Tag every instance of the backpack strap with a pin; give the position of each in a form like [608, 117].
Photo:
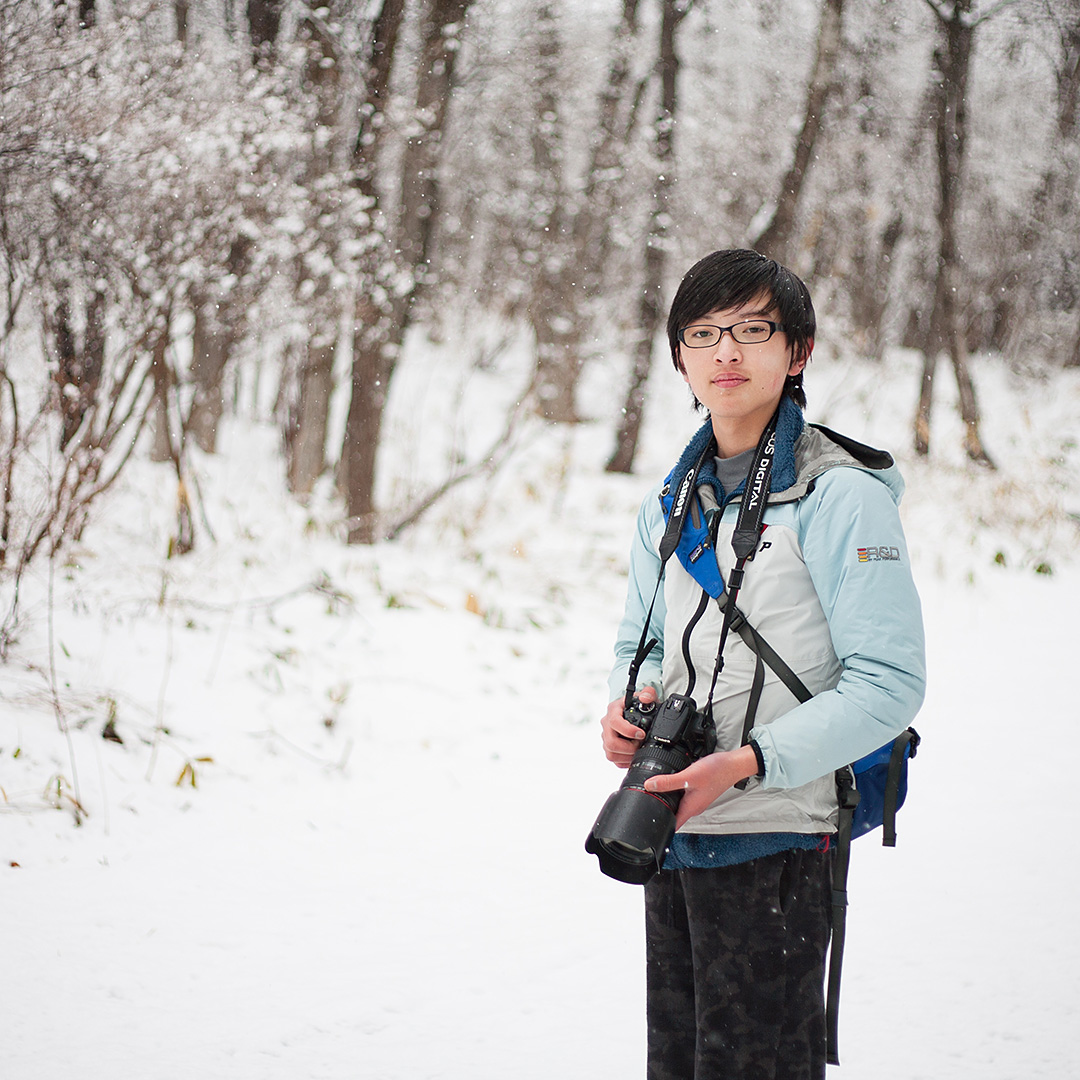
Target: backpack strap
[900, 750]
[847, 798]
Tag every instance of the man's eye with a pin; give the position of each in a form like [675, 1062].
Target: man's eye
[701, 333]
[755, 329]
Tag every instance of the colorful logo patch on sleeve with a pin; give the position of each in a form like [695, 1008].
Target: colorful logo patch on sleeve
[879, 554]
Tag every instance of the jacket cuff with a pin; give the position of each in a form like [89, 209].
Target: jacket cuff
[760, 757]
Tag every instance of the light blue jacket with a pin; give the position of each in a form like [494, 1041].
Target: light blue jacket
[829, 587]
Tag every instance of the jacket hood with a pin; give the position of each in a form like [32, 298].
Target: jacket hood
[819, 449]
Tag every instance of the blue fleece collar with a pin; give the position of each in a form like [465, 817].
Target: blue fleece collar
[789, 426]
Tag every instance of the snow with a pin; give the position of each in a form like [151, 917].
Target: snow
[379, 870]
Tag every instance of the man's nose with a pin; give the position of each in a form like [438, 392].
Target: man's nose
[727, 348]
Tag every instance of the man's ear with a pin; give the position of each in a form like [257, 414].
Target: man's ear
[800, 361]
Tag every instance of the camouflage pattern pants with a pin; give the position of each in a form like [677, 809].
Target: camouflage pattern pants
[736, 968]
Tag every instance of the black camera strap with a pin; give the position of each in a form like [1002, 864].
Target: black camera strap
[684, 497]
[744, 540]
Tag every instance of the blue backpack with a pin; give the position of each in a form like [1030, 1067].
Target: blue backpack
[880, 784]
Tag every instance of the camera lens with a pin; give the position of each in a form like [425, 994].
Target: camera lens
[627, 852]
[635, 826]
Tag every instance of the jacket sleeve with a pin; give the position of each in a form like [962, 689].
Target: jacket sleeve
[641, 582]
[854, 549]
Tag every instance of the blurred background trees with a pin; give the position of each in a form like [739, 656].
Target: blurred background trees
[209, 207]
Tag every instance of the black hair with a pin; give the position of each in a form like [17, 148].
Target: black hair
[731, 278]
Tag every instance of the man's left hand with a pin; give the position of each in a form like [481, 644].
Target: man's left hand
[706, 780]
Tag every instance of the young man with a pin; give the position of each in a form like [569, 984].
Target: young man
[738, 919]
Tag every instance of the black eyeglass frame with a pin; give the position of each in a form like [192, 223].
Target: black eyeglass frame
[774, 327]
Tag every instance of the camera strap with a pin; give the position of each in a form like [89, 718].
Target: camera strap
[684, 497]
[744, 541]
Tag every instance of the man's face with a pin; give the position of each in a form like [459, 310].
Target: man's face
[739, 384]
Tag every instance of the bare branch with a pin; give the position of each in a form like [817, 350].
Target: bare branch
[991, 12]
[490, 462]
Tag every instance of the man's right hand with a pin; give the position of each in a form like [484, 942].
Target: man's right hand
[621, 739]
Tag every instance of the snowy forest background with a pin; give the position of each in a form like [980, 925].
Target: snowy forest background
[212, 208]
[330, 381]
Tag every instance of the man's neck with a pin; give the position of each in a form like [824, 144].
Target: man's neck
[736, 437]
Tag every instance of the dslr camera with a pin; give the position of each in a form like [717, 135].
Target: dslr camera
[635, 826]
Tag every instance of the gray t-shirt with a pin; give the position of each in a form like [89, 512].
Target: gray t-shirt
[731, 471]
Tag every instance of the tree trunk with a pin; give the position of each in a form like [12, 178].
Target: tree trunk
[384, 37]
[651, 304]
[79, 363]
[1068, 122]
[356, 470]
[307, 446]
[210, 348]
[926, 396]
[308, 420]
[220, 321]
[1072, 360]
[382, 310]
[953, 61]
[162, 448]
[419, 207]
[574, 233]
[68, 372]
[181, 10]
[264, 23]
[373, 364]
[553, 307]
[1053, 207]
[775, 241]
[592, 222]
[871, 271]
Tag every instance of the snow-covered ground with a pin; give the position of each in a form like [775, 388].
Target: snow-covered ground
[342, 836]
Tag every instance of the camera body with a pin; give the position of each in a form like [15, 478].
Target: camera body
[635, 826]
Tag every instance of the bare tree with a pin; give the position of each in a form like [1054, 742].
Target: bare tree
[607, 158]
[319, 259]
[775, 239]
[219, 308]
[1041, 269]
[546, 229]
[650, 314]
[395, 260]
[371, 130]
[575, 225]
[48, 507]
[957, 24]
[552, 304]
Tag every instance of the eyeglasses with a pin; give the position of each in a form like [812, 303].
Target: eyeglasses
[748, 332]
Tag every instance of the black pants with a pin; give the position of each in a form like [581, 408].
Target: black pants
[736, 968]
